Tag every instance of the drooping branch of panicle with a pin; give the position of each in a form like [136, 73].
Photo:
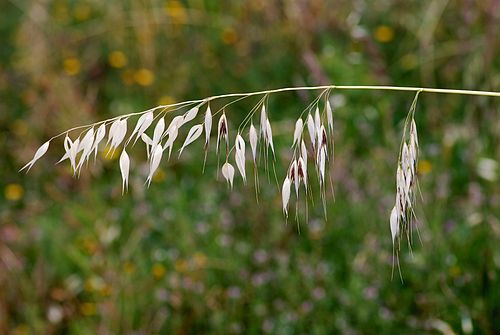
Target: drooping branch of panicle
[312, 150]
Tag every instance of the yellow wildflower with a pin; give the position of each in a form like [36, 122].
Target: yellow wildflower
[229, 36]
[117, 59]
[89, 245]
[159, 175]
[88, 308]
[128, 267]
[144, 77]
[19, 127]
[72, 66]
[424, 166]
[82, 12]
[166, 100]
[384, 34]
[199, 259]
[21, 330]
[60, 12]
[158, 270]
[175, 10]
[128, 77]
[455, 271]
[13, 192]
[409, 61]
[106, 290]
[110, 156]
[181, 265]
[94, 283]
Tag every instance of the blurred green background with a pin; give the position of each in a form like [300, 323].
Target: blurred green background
[188, 256]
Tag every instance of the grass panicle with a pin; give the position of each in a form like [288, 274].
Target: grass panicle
[319, 145]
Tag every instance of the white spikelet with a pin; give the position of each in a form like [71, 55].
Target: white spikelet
[222, 131]
[299, 125]
[285, 195]
[319, 137]
[158, 133]
[147, 140]
[73, 151]
[142, 125]
[208, 125]
[239, 156]
[86, 146]
[405, 157]
[407, 164]
[333, 149]
[99, 136]
[155, 162]
[113, 130]
[399, 205]
[253, 141]
[263, 121]
[228, 173]
[294, 175]
[121, 133]
[117, 134]
[401, 189]
[303, 152]
[302, 171]
[192, 136]
[38, 154]
[329, 116]
[67, 147]
[149, 143]
[413, 147]
[269, 136]
[317, 119]
[124, 169]
[321, 165]
[394, 223]
[87, 140]
[413, 159]
[177, 122]
[413, 131]
[322, 140]
[172, 136]
[312, 130]
[190, 114]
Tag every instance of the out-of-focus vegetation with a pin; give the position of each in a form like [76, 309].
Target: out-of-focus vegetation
[187, 256]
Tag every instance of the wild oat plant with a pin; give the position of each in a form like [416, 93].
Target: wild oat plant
[312, 145]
